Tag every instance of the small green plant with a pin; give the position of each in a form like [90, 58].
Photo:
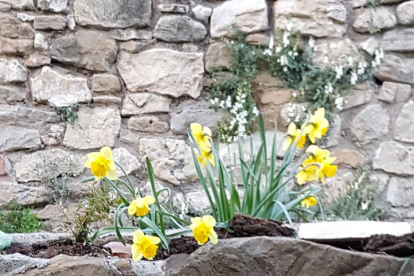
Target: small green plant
[372, 4]
[360, 202]
[69, 113]
[58, 187]
[19, 219]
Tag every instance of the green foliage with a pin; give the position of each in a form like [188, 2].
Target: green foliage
[372, 3]
[264, 193]
[19, 219]
[314, 87]
[69, 113]
[360, 201]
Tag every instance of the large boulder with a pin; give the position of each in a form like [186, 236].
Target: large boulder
[241, 15]
[261, 256]
[175, 28]
[156, 70]
[113, 14]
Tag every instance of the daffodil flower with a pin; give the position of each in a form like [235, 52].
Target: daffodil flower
[317, 126]
[306, 174]
[294, 135]
[140, 206]
[324, 161]
[309, 202]
[201, 134]
[206, 156]
[102, 164]
[326, 169]
[203, 229]
[144, 246]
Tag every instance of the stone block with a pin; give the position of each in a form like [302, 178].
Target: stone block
[371, 123]
[144, 103]
[394, 158]
[404, 126]
[18, 138]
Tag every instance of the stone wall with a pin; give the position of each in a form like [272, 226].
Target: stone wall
[138, 70]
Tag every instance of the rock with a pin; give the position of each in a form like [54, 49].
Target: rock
[18, 138]
[5, 7]
[127, 161]
[175, 28]
[318, 18]
[336, 187]
[20, 4]
[20, 47]
[11, 94]
[95, 128]
[57, 212]
[197, 202]
[348, 157]
[105, 83]
[28, 239]
[28, 117]
[131, 33]
[51, 86]
[362, 94]
[145, 268]
[394, 68]
[136, 46]
[5, 165]
[258, 39]
[195, 111]
[171, 159]
[400, 192]
[279, 256]
[25, 17]
[50, 22]
[391, 91]
[333, 137]
[404, 127]
[107, 100]
[149, 123]
[202, 13]
[276, 97]
[23, 194]
[218, 56]
[138, 74]
[143, 103]
[405, 13]
[54, 135]
[85, 49]
[71, 22]
[374, 20]
[40, 42]
[173, 8]
[79, 265]
[379, 181]
[370, 45]
[16, 263]
[12, 27]
[371, 123]
[109, 14]
[338, 52]
[37, 60]
[53, 5]
[399, 40]
[12, 71]
[243, 15]
[46, 164]
[394, 158]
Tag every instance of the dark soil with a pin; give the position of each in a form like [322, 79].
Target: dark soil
[386, 244]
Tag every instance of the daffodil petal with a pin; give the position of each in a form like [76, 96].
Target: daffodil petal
[149, 200]
[213, 237]
[138, 235]
[209, 220]
[112, 175]
[106, 152]
[154, 240]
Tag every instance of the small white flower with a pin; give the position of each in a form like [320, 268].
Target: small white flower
[311, 42]
[339, 72]
[271, 42]
[278, 49]
[285, 69]
[285, 39]
[267, 52]
[255, 111]
[289, 26]
[294, 94]
[339, 102]
[290, 53]
[354, 78]
[326, 60]
[364, 205]
[350, 61]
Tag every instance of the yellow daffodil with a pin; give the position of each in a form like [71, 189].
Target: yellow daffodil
[309, 202]
[201, 134]
[317, 126]
[326, 169]
[206, 156]
[203, 229]
[316, 154]
[294, 135]
[144, 246]
[102, 164]
[140, 206]
[324, 161]
[307, 174]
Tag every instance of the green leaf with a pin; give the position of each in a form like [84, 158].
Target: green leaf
[157, 231]
[111, 229]
[121, 208]
[92, 178]
[154, 191]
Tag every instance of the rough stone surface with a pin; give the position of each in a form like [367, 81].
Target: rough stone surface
[280, 256]
[195, 111]
[95, 128]
[371, 123]
[175, 28]
[333, 136]
[25, 195]
[18, 47]
[362, 94]
[399, 40]
[12, 27]
[319, 18]
[243, 15]
[404, 126]
[56, 212]
[40, 42]
[127, 161]
[400, 192]
[130, 33]
[37, 60]
[18, 138]
[138, 74]
[11, 71]
[28, 117]
[391, 91]
[5, 165]
[20, 4]
[198, 201]
[338, 52]
[5, 7]
[276, 97]
[46, 164]
[25, 17]
[173, 8]
[405, 13]
[85, 49]
[108, 100]
[218, 55]
[370, 45]
[380, 18]
[148, 123]
[171, 159]
[258, 39]
[11, 94]
[110, 14]
[53, 87]
[53, 5]
[17, 263]
[348, 157]
[394, 68]
[105, 83]
[143, 103]
[202, 13]
[394, 158]
[50, 22]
